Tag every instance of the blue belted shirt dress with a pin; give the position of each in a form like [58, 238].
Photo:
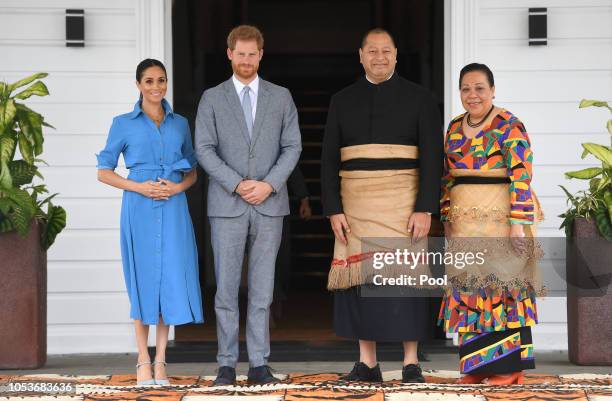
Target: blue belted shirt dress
[158, 248]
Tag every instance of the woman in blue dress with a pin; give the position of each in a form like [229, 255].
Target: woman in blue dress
[158, 249]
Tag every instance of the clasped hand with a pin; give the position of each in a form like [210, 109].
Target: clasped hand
[519, 241]
[161, 190]
[254, 192]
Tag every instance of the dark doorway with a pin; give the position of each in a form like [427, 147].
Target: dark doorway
[311, 48]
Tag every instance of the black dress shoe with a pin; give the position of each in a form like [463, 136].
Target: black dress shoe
[412, 374]
[362, 373]
[261, 375]
[226, 376]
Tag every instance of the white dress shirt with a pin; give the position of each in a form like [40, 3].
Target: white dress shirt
[372, 82]
[254, 86]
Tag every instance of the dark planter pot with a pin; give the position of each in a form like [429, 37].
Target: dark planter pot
[23, 301]
[589, 296]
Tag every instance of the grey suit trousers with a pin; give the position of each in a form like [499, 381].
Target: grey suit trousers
[261, 235]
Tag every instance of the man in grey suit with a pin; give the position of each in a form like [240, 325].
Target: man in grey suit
[248, 141]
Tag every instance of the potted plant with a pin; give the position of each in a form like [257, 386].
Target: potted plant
[588, 228]
[29, 224]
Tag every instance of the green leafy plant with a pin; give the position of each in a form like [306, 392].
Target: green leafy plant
[596, 201]
[21, 200]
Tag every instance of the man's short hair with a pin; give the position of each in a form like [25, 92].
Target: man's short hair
[375, 31]
[245, 33]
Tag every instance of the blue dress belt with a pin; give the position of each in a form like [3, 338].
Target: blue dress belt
[181, 165]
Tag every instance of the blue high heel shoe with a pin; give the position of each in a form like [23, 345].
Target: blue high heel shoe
[162, 382]
[149, 382]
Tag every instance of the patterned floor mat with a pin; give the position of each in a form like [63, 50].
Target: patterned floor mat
[439, 386]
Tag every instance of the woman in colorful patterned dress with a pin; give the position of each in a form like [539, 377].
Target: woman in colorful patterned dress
[488, 206]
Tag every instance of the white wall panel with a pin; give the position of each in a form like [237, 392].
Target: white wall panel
[82, 148]
[552, 310]
[67, 89]
[85, 277]
[21, 25]
[80, 118]
[569, 22]
[567, 54]
[553, 118]
[81, 182]
[546, 181]
[88, 308]
[86, 245]
[92, 214]
[568, 154]
[543, 86]
[43, 6]
[50, 57]
[552, 207]
[91, 338]
[550, 337]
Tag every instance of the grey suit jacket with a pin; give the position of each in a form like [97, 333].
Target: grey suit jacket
[228, 155]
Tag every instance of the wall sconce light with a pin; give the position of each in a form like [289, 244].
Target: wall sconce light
[75, 28]
[538, 27]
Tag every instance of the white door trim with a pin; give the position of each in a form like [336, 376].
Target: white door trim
[460, 48]
[155, 34]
